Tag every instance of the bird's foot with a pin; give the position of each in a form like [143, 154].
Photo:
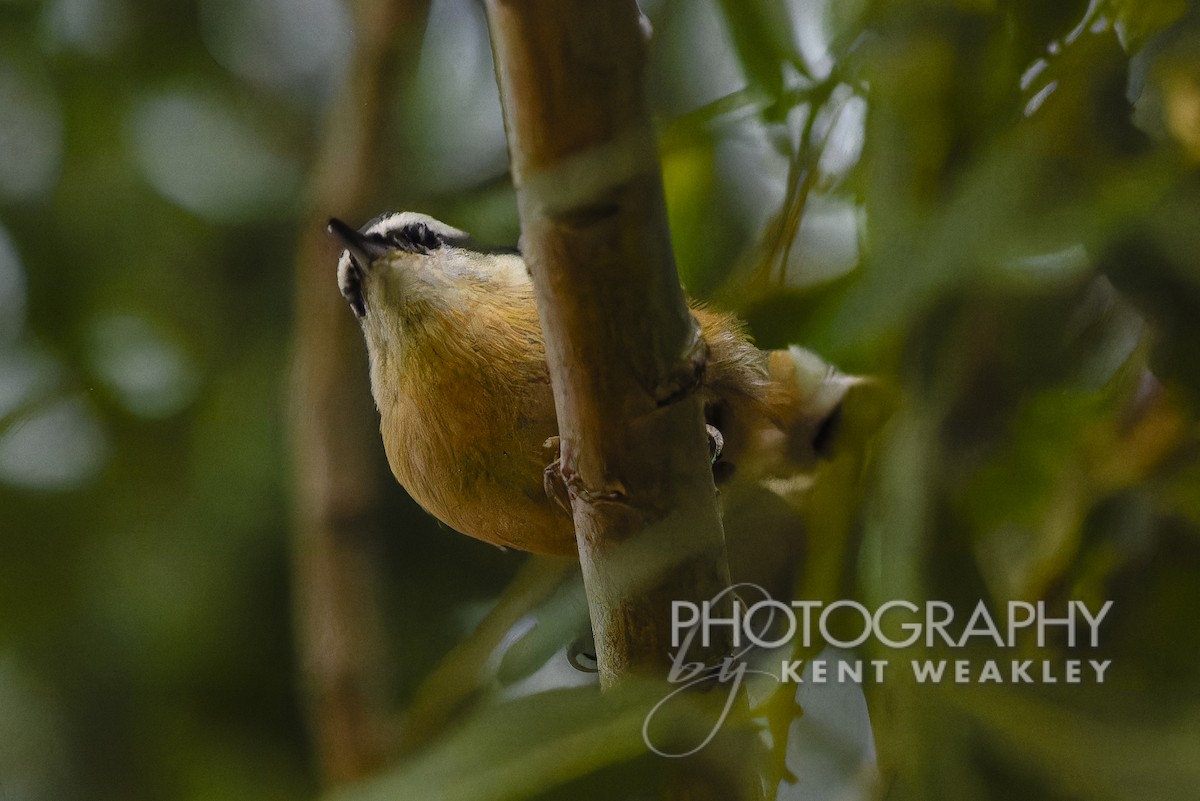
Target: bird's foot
[553, 480]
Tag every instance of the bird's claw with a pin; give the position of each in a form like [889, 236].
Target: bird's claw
[553, 481]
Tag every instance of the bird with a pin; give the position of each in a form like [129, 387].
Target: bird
[459, 377]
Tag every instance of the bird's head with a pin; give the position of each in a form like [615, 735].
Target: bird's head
[403, 262]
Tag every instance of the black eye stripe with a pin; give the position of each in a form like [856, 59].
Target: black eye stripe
[424, 235]
[414, 237]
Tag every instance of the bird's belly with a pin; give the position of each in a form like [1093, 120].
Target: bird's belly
[480, 476]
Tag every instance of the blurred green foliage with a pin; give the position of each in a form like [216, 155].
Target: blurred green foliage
[991, 206]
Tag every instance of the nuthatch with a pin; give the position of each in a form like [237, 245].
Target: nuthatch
[458, 372]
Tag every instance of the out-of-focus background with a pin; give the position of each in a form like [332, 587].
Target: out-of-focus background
[992, 206]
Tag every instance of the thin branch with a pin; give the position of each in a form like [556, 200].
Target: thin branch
[623, 350]
[333, 427]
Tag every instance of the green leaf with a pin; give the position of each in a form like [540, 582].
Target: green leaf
[530, 745]
[1137, 20]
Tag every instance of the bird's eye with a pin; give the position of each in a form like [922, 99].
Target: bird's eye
[416, 237]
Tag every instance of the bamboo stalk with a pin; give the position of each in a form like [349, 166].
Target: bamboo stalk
[623, 350]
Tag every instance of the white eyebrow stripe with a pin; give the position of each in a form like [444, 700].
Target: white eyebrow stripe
[397, 221]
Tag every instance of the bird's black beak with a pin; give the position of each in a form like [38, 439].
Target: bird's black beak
[363, 249]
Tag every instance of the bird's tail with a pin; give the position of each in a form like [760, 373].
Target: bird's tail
[816, 411]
